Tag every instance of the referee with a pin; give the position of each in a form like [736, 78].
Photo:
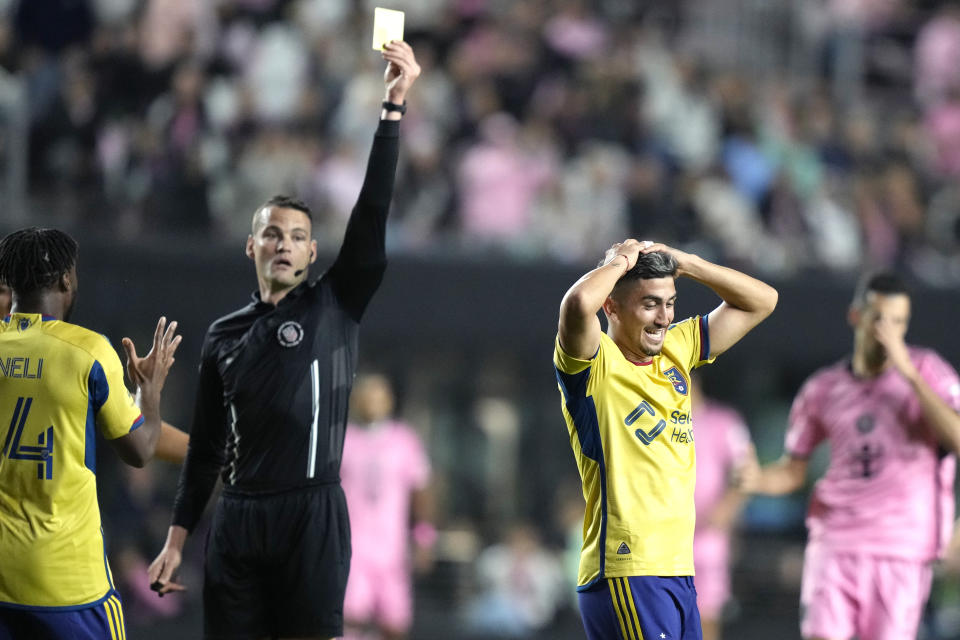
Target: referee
[275, 378]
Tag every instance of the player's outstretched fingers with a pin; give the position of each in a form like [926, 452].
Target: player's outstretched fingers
[132, 359]
[158, 334]
[170, 343]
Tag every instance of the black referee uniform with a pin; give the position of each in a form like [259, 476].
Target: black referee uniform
[270, 417]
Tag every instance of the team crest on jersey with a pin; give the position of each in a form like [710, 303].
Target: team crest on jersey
[290, 333]
[24, 324]
[676, 378]
[865, 423]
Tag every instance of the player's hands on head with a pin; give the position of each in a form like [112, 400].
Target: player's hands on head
[629, 249]
[402, 70]
[681, 257]
[161, 571]
[150, 372]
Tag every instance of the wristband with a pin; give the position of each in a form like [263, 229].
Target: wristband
[393, 106]
[424, 534]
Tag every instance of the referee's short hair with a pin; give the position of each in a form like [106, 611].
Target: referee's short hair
[34, 259]
[282, 202]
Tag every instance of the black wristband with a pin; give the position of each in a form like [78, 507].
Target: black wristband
[393, 106]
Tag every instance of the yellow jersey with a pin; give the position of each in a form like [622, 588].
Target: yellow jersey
[632, 437]
[59, 383]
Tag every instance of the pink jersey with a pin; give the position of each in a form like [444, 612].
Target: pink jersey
[888, 489]
[722, 439]
[381, 466]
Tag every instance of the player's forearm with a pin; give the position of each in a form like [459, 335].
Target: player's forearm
[138, 447]
[172, 444]
[735, 288]
[777, 479]
[941, 417]
[588, 294]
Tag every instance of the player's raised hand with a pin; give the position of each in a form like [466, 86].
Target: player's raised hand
[402, 70]
[682, 257]
[890, 335]
[150, 372]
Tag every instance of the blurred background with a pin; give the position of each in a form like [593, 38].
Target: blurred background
[803, 141]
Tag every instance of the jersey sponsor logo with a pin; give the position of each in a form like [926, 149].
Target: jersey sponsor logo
[681, 436]
[646, 437]
[865, 423]
[623, 549]
[676, 378]
[290, 333]
[21, 368]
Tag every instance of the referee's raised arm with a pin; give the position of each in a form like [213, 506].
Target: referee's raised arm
[358, 269]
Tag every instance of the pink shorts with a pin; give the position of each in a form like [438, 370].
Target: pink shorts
[379, 595]
[711, 561]
[849, 594]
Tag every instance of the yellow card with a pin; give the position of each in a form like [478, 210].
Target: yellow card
[387, 26]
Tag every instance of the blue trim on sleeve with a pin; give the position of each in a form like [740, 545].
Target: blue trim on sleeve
[705, 337]
[97, 387]
[97, 392]
[90, 438]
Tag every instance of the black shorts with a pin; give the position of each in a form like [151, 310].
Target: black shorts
[277, 565]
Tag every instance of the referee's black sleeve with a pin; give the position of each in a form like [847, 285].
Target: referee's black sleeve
[206, 452]
[358, 269]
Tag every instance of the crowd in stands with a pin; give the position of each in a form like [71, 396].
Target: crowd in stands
[539, 128]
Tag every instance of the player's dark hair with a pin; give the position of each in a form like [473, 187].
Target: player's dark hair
[882, 282]
[284, 202]
[656, 264]
[35, 259]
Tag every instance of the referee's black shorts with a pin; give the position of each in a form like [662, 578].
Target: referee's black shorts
[277, 565]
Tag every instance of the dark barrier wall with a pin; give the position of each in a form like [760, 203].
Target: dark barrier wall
[466, 305]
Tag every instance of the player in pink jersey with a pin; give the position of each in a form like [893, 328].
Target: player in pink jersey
[883, 512]
[385, 475]
[723, 444]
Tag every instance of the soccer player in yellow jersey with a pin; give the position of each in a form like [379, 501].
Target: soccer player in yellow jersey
[59, 385]
[626, 401]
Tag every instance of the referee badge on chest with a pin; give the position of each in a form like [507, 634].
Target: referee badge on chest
[290, 333]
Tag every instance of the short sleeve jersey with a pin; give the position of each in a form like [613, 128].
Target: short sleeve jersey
[888, 489]
[59, 385]
[382, 466]
[632, 437]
